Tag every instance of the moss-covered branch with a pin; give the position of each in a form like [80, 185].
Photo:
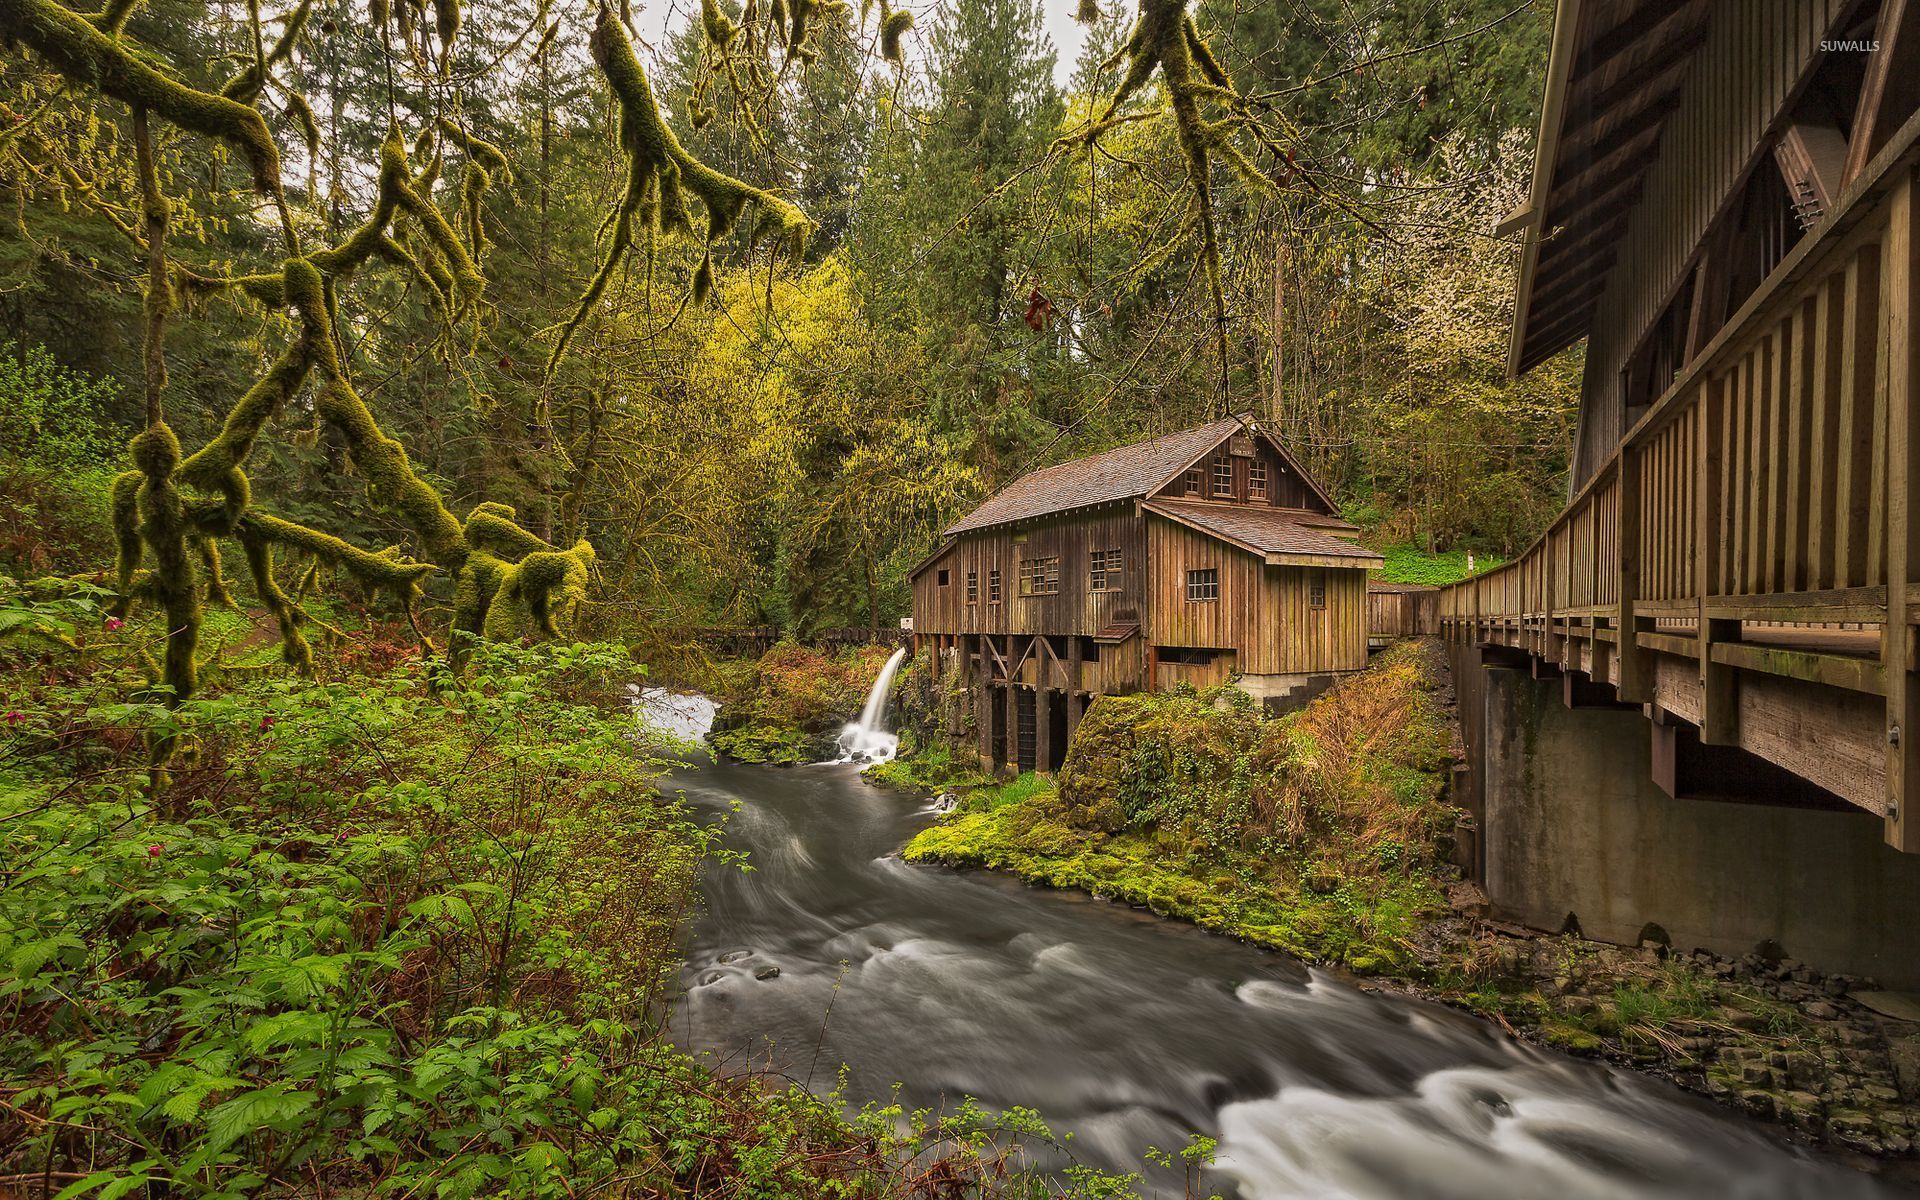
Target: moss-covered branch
[84, 54]
[660, 171]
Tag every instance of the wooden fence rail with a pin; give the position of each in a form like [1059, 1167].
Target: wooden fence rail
[1745, 531]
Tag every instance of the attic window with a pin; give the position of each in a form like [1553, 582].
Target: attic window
[1257, 479]
[1203, 585]
[1222, 475]
[1193, 481]
[946, 577]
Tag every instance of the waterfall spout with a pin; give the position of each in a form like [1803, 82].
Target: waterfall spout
[867, 739]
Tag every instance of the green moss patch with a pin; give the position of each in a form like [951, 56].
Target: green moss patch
[1318, 833]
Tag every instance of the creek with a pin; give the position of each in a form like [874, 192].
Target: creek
[1131, 1031]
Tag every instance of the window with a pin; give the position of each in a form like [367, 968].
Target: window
[1040, 576]
[993, 586]
[1193, 481]
[1222, 475]
[1203, 585]
[944, 580]
[1182, 656]
[1103, 571]
[973, 587]
[1257, 479]
[1316, 589]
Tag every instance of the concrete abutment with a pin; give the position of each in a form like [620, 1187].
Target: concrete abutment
[1572, 825]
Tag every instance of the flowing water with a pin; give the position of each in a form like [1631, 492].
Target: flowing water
[1131, 1031]
[867, 740]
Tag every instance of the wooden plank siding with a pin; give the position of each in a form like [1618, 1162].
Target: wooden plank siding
[1076, 610]
[1744, 77]
[1263, 613]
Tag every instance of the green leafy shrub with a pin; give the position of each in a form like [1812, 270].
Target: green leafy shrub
[58, 452]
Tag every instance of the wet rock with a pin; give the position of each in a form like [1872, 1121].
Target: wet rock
[1820, 1010]
[1758, 1102]
[1802, 1109]
[1756, 1074]
[767, 973]
[733, 956]
[711, 978]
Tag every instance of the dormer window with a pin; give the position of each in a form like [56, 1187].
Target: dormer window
[1222, 477]
[1257, 479]
[1193, 481]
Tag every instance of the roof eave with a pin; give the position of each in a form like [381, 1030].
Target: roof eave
[1566, 23]
[1289, 558]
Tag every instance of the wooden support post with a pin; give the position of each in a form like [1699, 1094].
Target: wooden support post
[983, 700]
[1013, 728]
[1719, 701]
[1665, 752]
[1076, 708]
[1629, 661]
[1547, 648]
[1043, 728]
[1900, 289]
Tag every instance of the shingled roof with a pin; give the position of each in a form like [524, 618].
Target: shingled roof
[1263, 530]
[1124, 473]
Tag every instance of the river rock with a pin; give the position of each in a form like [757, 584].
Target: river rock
[767, 973]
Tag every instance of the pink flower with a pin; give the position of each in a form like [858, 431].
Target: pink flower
[156, 850]
[15, 716]
[566, 1060]
[266, 723]
[114, 623]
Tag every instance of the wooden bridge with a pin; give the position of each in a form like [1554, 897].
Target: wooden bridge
[1744, 565]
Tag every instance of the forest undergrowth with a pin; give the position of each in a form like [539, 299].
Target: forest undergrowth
[383, 933]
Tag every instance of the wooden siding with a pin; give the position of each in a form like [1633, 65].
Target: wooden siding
[1263, 613]
[1743, 78]
[1075, 610]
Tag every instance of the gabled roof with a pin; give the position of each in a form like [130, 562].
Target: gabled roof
[1276, 533]
[1126, 473]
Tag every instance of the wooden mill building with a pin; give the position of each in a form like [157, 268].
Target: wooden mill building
[1201, 556]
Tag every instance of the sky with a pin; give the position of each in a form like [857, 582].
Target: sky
[656, 18]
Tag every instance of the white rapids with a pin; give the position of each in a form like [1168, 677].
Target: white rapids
[867, 739]
[676, 716]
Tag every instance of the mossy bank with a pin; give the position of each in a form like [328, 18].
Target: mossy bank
[1327, 834]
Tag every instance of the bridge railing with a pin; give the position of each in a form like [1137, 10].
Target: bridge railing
[1751, 520]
